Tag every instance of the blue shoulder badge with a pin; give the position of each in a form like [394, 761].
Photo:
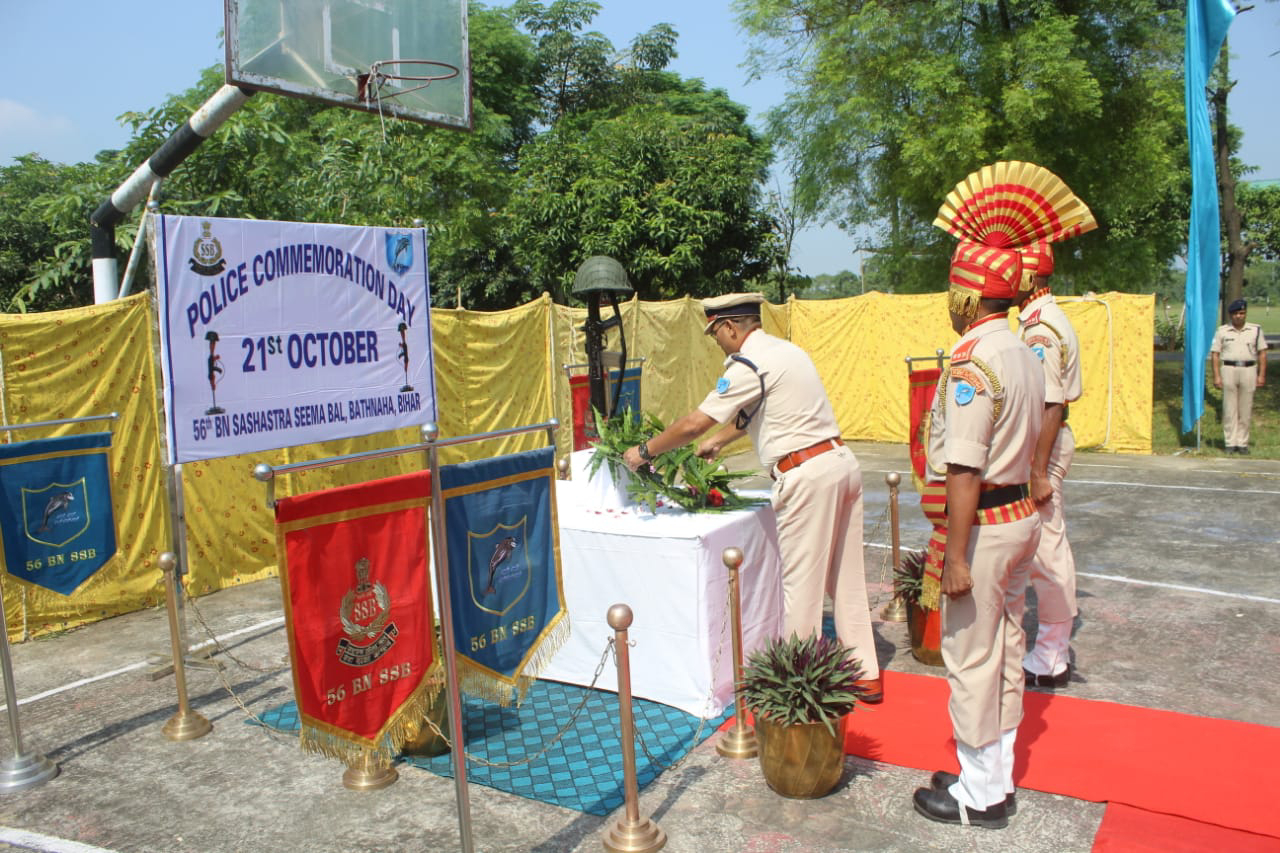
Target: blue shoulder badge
[722, 386]
[1038, 349]
[964, 393]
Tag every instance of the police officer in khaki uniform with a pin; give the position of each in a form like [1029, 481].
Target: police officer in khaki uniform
[1239, 353]
[1044, 327]
[987, 414]
[771, 392]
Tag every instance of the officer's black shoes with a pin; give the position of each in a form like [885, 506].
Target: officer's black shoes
[939, 805]
[1050, 681]
[942, 780]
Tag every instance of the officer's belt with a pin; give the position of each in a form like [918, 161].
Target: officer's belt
[1239, 363]
[796, 457]
[1002, 504]
[996, 504]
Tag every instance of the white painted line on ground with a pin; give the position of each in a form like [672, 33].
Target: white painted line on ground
[131, 667]
[1137, 582]
[46, 843]
[1072, 481]
[1179, 587]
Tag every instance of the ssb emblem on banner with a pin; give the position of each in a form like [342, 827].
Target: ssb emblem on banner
[400, 252]
[499, 562]
[364, 614]
[56, 515]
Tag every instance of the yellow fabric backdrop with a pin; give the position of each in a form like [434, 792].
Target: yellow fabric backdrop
[493, 371]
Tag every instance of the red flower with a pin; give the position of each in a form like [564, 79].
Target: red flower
[715, 498]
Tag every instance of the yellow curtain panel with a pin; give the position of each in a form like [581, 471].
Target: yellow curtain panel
[493, 370]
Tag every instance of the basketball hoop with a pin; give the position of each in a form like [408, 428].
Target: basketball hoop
[369, 87]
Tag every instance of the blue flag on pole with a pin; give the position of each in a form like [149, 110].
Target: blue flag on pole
[503, 550]
[55, 509]
[1207, 23]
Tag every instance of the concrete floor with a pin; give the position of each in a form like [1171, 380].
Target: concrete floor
[1179, 597]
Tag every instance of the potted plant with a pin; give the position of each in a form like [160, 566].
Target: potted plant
[924, 626]
[800, 691]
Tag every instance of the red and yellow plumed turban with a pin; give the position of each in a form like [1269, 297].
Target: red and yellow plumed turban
[998, 212]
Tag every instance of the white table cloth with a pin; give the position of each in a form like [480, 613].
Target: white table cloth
[668, 567]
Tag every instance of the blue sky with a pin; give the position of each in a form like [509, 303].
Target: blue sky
[69, 68]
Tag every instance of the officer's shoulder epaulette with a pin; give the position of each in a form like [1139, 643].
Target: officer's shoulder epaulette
[1032, 318]
[964, 352]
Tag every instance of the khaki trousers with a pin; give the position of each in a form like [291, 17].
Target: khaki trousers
[982, 637]
[819, 509]
[1238, 385]
[1053, 571]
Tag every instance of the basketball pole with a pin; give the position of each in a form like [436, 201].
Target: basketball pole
[186, 139]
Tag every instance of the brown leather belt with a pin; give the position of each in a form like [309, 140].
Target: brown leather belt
[1239, 363]
[796, 457]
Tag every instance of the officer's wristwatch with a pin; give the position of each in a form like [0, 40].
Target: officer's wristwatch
[643, 449]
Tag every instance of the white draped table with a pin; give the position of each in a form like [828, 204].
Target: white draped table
[668, 567]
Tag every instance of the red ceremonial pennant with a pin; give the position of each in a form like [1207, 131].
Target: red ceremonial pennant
[353, 565]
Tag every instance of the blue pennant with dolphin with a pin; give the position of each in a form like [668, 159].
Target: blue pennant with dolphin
[504, 570]
[55, 509]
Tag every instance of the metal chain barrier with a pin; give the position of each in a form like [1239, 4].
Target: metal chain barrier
[573, 718]
[886, 563]
[272, 732]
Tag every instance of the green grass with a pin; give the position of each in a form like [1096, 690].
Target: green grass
[1166, 414]
[1266, 317]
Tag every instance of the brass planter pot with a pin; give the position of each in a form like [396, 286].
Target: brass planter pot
[801, 760]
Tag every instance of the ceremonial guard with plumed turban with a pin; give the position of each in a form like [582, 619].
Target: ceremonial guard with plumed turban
[986, 417]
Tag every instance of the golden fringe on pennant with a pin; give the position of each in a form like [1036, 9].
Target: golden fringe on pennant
[482, 682]
[404, 724]
[964, 301]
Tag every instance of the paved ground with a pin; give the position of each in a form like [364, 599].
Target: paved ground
[1179, 593]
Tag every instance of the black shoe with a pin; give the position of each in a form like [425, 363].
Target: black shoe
[1243, 451]
[942, 807]
[942, 781]
[1059, 680]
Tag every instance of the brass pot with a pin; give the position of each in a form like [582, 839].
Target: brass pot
[425, 742]
[925, 629]
[801, 760]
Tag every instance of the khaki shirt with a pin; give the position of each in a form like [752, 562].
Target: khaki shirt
[1045, 328]
[988, 407]
[795, 413]
[1239, 345]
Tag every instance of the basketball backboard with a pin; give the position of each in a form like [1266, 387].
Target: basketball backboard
[405, 58]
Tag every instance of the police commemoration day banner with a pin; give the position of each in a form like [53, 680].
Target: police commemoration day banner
[55, 509]
[353, 568]
[506, 595]
[275, 334]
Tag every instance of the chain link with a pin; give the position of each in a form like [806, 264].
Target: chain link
[586, 696]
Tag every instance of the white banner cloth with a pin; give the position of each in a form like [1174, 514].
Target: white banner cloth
[669, 569]
[275, 334]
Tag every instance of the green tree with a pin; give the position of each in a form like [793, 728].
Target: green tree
[1260, 210]
[893, 103]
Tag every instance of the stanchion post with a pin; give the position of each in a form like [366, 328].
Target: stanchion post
[739, 741]
[631, 833]
[22, 769]
[895, 610]
[186, 724]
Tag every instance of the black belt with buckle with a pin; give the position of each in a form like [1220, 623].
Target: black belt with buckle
[1239, 363]
[1002, 495]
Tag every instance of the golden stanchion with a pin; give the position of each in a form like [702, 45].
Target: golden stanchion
[739, 741]
[186, 724]
[369, 773]
[562, 467]
[632, 833]
[895, 610]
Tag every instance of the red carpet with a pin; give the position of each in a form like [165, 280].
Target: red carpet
[1210, 771]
